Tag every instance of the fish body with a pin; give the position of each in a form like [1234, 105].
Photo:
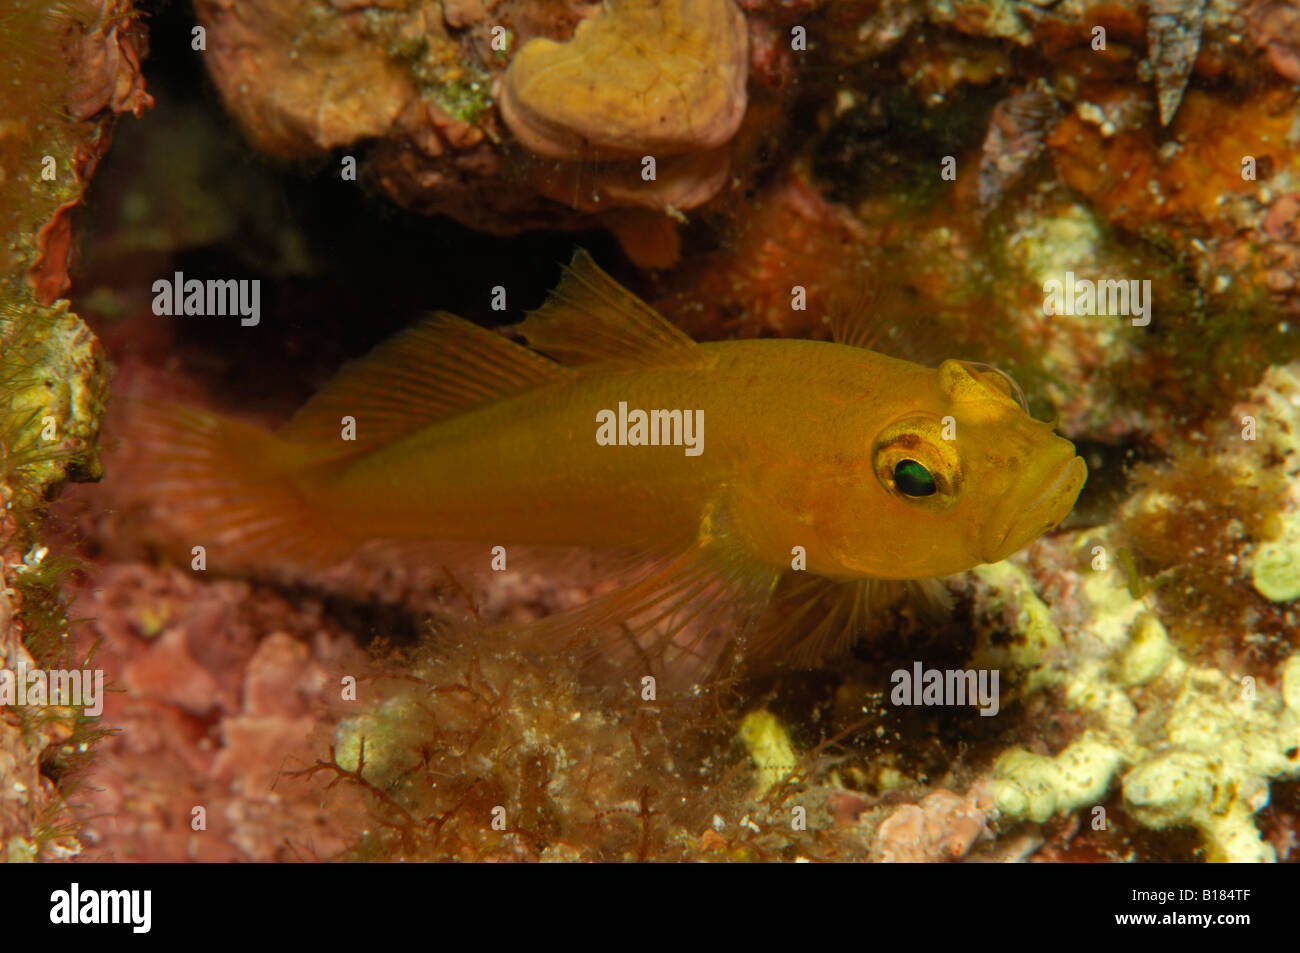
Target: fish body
[529, 469]
[777, 456]
[785, 456]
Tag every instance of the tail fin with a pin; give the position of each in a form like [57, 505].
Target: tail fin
[257, 499]
[249, 498]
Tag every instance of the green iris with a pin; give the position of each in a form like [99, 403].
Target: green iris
[912, 479]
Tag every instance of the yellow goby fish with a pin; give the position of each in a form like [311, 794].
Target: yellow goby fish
[817, 475]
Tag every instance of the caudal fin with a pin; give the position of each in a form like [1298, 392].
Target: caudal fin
[249, 498]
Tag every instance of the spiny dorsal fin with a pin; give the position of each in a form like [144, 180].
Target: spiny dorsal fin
[440, 367]
[880, 318]
[590, 317]
[854, 317]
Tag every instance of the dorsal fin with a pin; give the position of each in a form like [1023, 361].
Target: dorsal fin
[852, 325]
[879, 317]
[440, 367]
[854, 310]
[590, 317]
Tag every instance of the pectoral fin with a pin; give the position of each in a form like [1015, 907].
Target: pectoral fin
[676, 620]
[812, 619]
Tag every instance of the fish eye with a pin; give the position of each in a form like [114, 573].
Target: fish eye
[913, 479]
[913, 462]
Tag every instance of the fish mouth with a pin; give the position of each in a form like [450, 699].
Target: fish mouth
[1016, 524]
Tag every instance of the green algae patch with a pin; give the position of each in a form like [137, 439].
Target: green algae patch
[1276, 570]
[769, 747]
[53, 389]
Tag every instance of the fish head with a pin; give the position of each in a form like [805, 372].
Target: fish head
[963, 476]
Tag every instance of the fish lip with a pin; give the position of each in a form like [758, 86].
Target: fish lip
[1022, 525]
